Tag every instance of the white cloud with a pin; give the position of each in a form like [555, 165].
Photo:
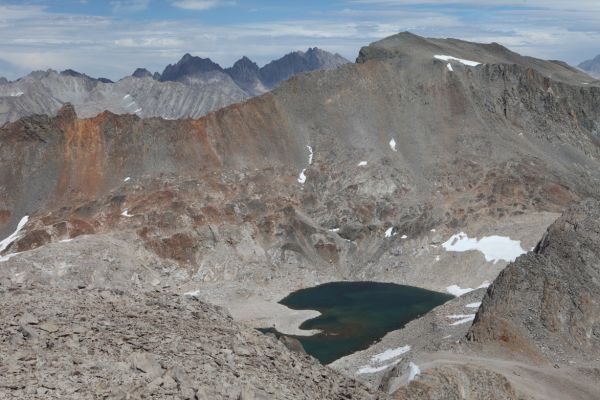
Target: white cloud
[200, 5]
[128, 6]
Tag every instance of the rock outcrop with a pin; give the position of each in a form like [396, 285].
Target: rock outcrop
[548, 301]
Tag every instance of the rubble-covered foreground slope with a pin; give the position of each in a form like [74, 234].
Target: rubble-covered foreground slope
[84, 344]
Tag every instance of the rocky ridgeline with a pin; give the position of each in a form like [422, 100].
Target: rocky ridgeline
[191, 88]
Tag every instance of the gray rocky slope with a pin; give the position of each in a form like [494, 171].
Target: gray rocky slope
[190, 88]
[592, 66]
[361, 172]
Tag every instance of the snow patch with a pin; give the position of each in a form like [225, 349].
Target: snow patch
[473, 305]
[449, 66]
[414, 371]
[18, 93]
[457, 291]
[66, 241]
[393, 145]
[310, 155]
[302, 176]
[127, 179]
[334, 230]
[390, 232]
[126, 96]
[362, 164]
[137, 111]
[404, 237]
[367, 369]
[126, 213]
[462, 318]
[6, 242]
[465, 319]
[460, 60]
[389, 354]
[494, 248]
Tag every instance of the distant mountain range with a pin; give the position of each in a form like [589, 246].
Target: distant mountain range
[191, 88]
[592, 66]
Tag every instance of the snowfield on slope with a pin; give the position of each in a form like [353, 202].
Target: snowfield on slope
[494, 248]
[460, 60]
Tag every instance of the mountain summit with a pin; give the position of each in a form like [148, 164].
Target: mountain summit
[592, 66]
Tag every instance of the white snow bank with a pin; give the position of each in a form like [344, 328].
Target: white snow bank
[18, 93]
[390, 232]
[404, 237]
[389, 354]
[473, 305]
[460, 60]
[367, 369]
[127, 179]
[457, 291]
[462, 318]
[126, 213]
[310, 155]
[334, 230]
[449, 66]
[393, 145]
[494, 248]
[138, 110]
[302, 176]
[6, 242]
[126, 97]
[414, 371]
[362, 164]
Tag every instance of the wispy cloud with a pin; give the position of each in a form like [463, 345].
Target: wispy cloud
[128, 6]
[200, 5]
[32, 37]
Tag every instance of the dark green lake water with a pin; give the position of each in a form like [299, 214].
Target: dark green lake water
[357, 314]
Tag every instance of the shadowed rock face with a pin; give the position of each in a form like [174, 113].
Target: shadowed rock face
[548, 301]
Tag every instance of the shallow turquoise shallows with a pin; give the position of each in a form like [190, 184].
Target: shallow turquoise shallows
[357, 314]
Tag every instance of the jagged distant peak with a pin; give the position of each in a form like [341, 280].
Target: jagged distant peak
[141, 73]
[189, 65]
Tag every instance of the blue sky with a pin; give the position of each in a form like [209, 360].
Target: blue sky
[111, 38]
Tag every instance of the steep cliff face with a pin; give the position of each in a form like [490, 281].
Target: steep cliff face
[548, 300]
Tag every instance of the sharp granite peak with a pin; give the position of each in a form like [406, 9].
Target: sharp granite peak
[406, 167]
[190, 88]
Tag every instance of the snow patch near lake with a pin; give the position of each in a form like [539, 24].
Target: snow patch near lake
[462, 318]
[414, 371]
[457, 291]
[460, 60]
[367, 369]
[14, 236]
[390, 354]
[494, 248]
